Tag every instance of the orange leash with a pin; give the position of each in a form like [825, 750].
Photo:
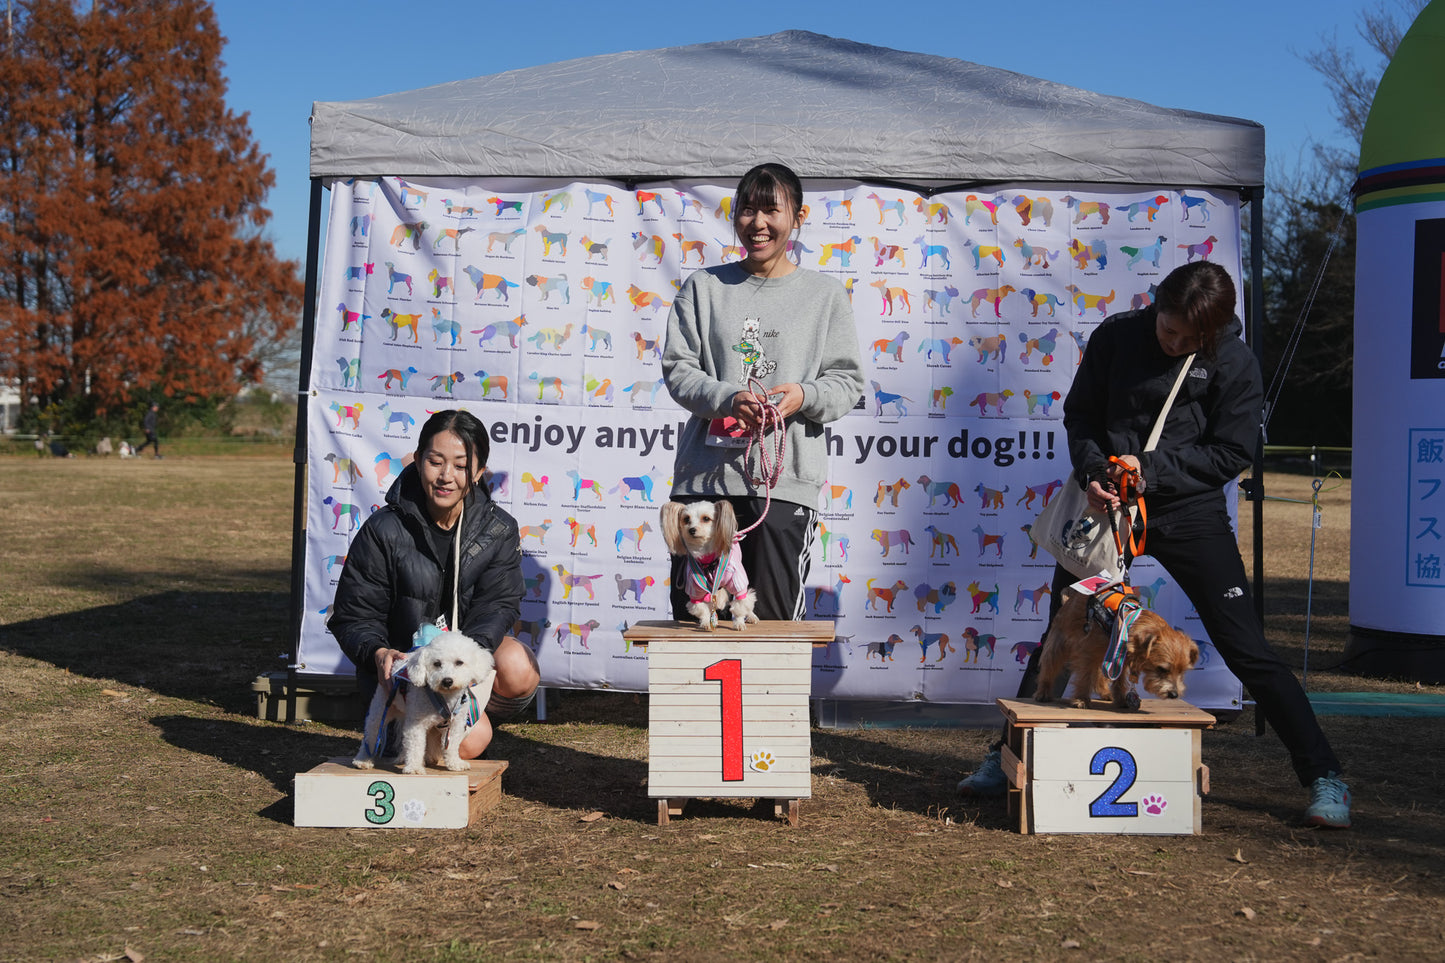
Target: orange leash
[1130, 476]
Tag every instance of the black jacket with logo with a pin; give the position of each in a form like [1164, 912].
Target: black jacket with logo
[1209, 436]
[393, 578]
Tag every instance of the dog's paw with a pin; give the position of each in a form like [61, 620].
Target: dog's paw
[413, 768]
[360, 763]
[457, 765]
[1131, 702]
[762, 761]
[1153, 805]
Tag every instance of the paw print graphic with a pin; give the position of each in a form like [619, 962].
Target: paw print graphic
[761, 761]
[413, 811]
[1154, 805]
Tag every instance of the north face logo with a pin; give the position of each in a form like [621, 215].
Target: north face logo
[1233, 592]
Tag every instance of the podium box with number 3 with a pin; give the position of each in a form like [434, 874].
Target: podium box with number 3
[1100, 771]
[728, 712]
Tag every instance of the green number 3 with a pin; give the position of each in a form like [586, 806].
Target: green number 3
[383, 810]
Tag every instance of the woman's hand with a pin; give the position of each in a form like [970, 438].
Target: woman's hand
[1121, 464]
[385, 660]
[748, 410]
[1101, 498]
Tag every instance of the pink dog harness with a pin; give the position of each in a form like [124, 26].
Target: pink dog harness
[707, 575]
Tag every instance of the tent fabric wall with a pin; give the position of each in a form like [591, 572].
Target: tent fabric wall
[863, 119]
[840, 109]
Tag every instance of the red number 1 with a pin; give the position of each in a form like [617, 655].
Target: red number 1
[729, 672]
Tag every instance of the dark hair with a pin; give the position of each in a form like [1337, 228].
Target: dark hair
[465, 426]
[768, 184]
[1201, 296]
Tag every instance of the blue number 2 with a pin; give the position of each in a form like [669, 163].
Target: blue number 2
[1107, 803]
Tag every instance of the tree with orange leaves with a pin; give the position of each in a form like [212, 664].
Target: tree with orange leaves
[132, 261]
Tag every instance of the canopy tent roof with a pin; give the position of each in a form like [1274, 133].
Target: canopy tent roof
[826, 107]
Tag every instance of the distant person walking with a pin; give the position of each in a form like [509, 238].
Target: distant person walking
[148, 425]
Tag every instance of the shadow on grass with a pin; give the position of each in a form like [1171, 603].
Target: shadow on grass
[204, 646]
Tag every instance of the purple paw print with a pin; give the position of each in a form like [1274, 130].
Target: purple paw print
[1154, 805]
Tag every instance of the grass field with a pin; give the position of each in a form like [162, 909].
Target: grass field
[147, 811]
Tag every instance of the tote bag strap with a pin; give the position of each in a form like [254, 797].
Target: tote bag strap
[1168, 403]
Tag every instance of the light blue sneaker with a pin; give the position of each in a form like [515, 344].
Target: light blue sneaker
[1329, 803]
[988, 779]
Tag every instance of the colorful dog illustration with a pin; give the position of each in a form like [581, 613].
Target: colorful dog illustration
[941, 542]
[1189, 203]
[453, 234]
[940, 598]
[458, 211]
[887, 252]
[1035, 256]
[633, 585]
[835, 493]
[1096, 251]
[891, 294]
[503, 206]
[551, 338]
[578, 530]
[1084, 301]
[991, 399]
[982, 252]
[439, 282]
[1044, 344]
[982, 598]
[408, 232]
[638, 389]
[579, 483]
[1148, 207]
[882, 398]
[1039, 299]
[645, 299]
[544, 382]
[648, 246]
[444, 326]
[533, 629]
[892, 492]
[975, 644]
[691, 247]
[399, 321]
[1022, 651]
[485, 282]
[1029, 208]
[842, 251]
[1144, 298]
[992, 296]
[634, 483]
[836, 595]
[1043, 402]
[339, 509]
[1084, 209]
[504, 238]
[973, 204]
[563, 200]
[1152, 253]
[887, 596]
[884, 650]
[1028, 531]
[990, 497]
[633, 535]
[397, 375]
[395, 277]
[893, 346]
[939, 398]
[829, 539]
[567, 629]
[446, 381]
[985, 539]
[889, 537]
[507, 329]
[570, 581]
[360, 272]
[488, 382]
[941, 346]
[343, 466]
[932, 211]
[988, 348]
[391, 417]
[1200, 250]
[895, 205]
[943, 298]
[925, 639]
[646, 346]
[539, 532]
[344, 412]
[1044, 492]
[546, 286]
[949, 491]
[537, 487]
[599, 291]
[1032, 596]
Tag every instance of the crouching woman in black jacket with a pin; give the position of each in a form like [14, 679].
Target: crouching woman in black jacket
[401, 571]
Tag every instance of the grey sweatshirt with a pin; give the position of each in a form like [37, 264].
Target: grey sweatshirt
[726, 325]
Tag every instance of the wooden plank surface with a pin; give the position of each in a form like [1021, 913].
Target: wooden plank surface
[651, 631]
[1175, 713]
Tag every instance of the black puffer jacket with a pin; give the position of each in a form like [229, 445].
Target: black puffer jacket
[392, 581]
[1209, 436]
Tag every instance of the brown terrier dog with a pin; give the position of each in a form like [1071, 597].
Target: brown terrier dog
[1158, 652]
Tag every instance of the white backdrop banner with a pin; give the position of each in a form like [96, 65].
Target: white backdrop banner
[541, 307]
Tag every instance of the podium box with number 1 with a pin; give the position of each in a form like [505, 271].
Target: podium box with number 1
[728, 712]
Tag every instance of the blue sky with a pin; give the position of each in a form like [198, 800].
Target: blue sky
[1232, 57]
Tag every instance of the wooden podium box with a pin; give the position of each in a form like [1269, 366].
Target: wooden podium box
[336, 795]
[728, 712]
[1100, 771]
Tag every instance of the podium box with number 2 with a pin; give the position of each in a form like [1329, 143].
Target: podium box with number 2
[1100, 771]
[728, 712]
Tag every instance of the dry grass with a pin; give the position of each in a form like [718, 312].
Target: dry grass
[146, 809]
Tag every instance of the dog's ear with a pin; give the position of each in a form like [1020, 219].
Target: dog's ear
[725, 528]
[413, 667]
[1193, 653]
[671, 530]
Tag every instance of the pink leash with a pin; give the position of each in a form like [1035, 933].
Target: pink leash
[770, 464]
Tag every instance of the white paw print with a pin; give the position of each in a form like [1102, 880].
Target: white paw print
[413, 811]
[1154, 805]
[761, 761]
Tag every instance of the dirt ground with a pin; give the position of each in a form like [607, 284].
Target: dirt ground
[147, 811]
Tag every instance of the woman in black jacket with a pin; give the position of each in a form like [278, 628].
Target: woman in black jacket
[401, 571]
[1129, 366]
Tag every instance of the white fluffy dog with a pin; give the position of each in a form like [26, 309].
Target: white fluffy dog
[431, 701]
[706, 532]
